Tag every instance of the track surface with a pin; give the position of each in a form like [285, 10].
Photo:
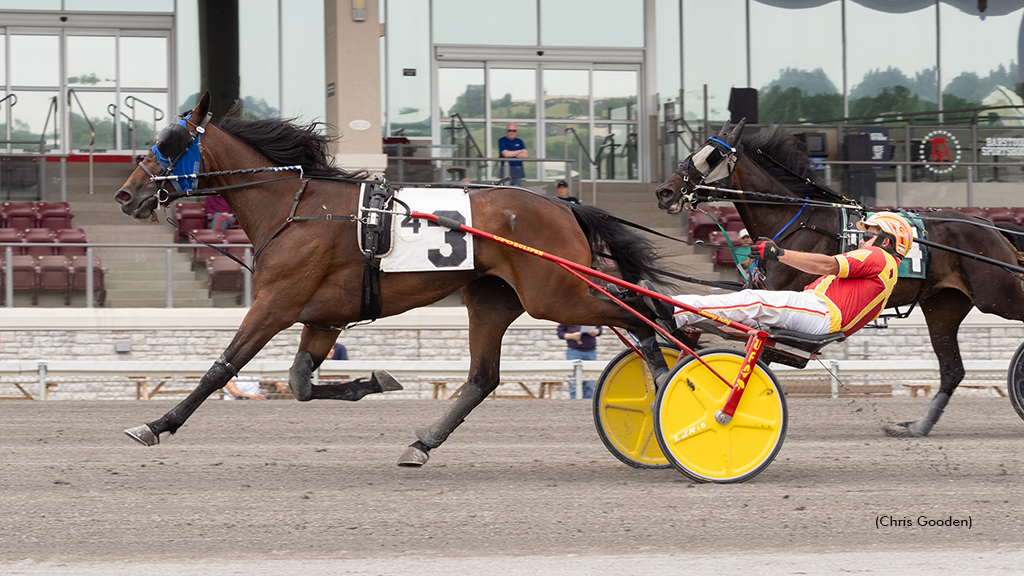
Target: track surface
[523, 487]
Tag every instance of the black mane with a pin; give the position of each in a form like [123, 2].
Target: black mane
[787, 150]
[287, 143]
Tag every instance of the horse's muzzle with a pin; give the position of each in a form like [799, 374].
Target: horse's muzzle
[669, 200]
[139, 210]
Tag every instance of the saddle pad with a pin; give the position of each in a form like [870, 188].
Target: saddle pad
[423, 246]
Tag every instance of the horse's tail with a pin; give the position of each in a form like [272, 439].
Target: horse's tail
[635, 255]
[1015, 235]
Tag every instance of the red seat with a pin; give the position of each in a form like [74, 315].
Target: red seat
[1001, 215]
[20, 215]
[55, 276]
[53, 215]
[224, 274]
[1018, 212]
[11, 235]
[71, 236]
[200, 253]
[190, 216]
[729, 213]
[79, 273]
[699, 223]
[25, 275]
[973, 211]
[236, 236]
[39, 235]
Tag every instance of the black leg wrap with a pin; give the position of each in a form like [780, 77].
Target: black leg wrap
[655, 359]
[300, 377]
[923, 426]
[435, 434]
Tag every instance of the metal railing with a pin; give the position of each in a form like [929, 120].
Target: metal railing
[483, 165]
[92, 132]
[158, 115]
[7, 248]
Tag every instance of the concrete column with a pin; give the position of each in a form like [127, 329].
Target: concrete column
[353, 84]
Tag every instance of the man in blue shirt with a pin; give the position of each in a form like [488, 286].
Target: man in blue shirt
[509, 146]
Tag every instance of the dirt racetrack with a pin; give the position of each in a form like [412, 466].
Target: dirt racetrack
[523, 487]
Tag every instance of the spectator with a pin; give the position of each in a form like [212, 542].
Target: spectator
[248, 388]
[338, 352]
[742, 253]
[219, 213]
[563, 192]
[581, 344]
[510, 146]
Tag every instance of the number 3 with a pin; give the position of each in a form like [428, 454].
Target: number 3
[453, 238]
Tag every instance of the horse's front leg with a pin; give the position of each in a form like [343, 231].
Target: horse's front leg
[943, 314]
[256, 330]
[492, 305]
[313, 348]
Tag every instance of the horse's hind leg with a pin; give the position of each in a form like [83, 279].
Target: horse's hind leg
[313, 349]
[256, 330]
[943, 313]
[493, 305]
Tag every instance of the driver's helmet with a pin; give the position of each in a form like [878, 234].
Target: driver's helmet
[894, 224]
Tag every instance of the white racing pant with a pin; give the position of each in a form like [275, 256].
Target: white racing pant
[761, 309]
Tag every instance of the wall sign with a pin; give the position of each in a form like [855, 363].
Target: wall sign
[1003, 147]
[945, 151]
[359, 124]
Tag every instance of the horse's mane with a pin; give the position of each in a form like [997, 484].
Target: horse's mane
[788, 151]
[285, 142]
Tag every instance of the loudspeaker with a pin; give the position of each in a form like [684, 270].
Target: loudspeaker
[860, 178]
[743, 104]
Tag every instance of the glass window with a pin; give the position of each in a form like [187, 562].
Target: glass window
[974, 75]
[485, 22]
[149, 111]
[527, 132]
[3, 62]
[461, 91]
[92, 61]
[258, 59]
[891, 59]
[567, 94]
[513, 93]
[667, 37]
[303, 77]
[559, 142]
[800, 78]
[615, 94]
[143, 62]
[35, 117]
[408, 41]
[616, 151]
[606, 23]
[97, 107]
[35, 60]
[120, 5]
[726, 69]
[187, 45]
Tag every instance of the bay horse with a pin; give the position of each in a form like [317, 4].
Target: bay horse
[310, 269]
[773, 162]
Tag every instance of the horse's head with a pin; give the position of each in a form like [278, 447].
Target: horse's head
[709, 164]
[177, 152]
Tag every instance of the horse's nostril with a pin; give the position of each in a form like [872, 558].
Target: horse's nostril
[123, 197]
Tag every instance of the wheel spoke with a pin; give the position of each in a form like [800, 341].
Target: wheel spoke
[742, 420]
[632, 404]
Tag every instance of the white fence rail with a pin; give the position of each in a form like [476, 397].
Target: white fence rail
[839, 372]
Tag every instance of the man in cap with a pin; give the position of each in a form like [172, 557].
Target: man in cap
[562, 187]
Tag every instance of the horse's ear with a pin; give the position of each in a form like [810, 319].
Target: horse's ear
[203, 108]
[724, 131]
[734, 136]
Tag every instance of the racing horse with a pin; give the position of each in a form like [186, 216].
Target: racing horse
[774, 163]
[309, 268]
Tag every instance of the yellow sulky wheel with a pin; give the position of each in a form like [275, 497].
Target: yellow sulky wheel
[695, 443]
[623, 410]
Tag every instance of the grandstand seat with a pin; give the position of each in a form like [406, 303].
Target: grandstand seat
[53, 215]
[224, 274]
[55, 276]
[729, 213]
[11, 235]
[723, 256]
[700, 225]
[25, 275]
[236, 236]
[189, 216]
[20, 215]
[79, 273]
[71, 236]
[1018, 212]
[1005, 215]
[39, 235]
[200, 253]
[973, 211]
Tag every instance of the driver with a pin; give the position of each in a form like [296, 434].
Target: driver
[852, 291]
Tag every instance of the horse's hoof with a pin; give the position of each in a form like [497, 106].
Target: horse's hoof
[143, 435]
[901, 430]
[385, 380]
[413, 457]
